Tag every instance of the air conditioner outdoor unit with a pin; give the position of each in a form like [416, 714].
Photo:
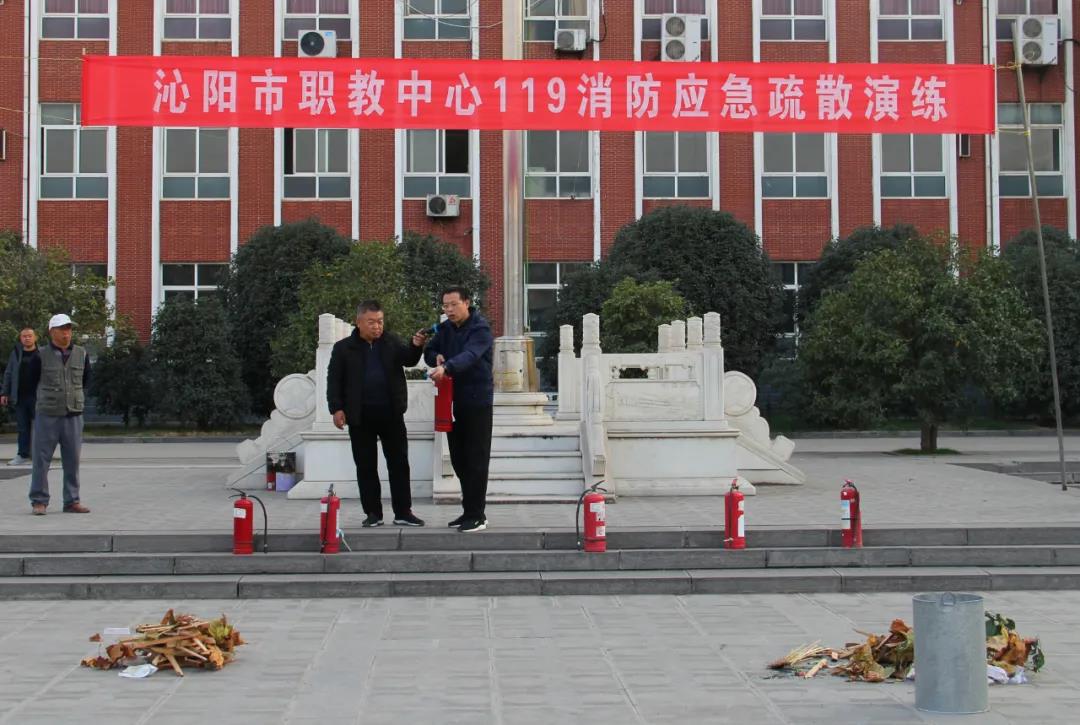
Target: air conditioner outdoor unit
[571, 39]
[680, 37]
[317, 44]
[1037, 39]
[443, 205]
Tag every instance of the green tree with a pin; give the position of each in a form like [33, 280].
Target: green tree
[122, 381]
[431, 265]
[262, 289]
[35, 285]
[911, 328]
[717, 264]
[196, 371]
[842, 255]
[630, 316]
[1063, 276]
[584, 291]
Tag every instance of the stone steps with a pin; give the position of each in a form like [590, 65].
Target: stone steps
[674, 581]
[480, 561]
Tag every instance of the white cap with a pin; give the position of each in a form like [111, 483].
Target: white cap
[59, 321]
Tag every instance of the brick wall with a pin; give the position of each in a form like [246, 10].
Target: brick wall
[12, 40]
[195, 231]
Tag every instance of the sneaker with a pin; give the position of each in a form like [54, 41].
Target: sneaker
[38, 509]
[408, 519]
[457, 522]
[19, 461]
[472, 525]
[371, 522]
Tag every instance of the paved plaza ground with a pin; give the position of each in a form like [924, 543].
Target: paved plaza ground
[597, 660]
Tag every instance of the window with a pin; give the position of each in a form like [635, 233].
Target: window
[654, 10]
[794, 166]
[910, 20]
[791, 275]
[543, 16]
[316, 163]
[676, 165]
[197, 20]
[303, 15]
[75, 20]
[194, 281]
[1008, 10]
[793, 20]
[558, 164]
[196, 163]
[72, 157]
[1047, 133]
[436, 162]
[438, 19]
[912, 165]
[543, 281]
[100, 271]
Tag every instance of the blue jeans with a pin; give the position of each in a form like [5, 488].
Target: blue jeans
[24, 419]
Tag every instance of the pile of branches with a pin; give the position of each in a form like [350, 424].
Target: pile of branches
[177, 640]
[891, 656]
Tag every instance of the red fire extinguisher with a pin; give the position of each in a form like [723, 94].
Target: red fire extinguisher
[595, 540]
[850, 516]
[444, 405]
[734, 524]
[244, 524]
[328, 523]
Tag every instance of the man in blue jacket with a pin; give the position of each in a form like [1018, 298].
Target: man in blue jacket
[463, 350]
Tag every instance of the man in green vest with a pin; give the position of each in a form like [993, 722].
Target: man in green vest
[65, 375]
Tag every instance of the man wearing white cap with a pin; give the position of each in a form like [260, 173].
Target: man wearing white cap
[65, 375]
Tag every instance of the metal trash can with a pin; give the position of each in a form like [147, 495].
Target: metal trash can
[950, 653]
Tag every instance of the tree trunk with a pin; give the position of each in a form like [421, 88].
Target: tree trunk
[928, 438]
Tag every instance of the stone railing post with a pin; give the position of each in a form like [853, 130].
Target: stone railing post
[713, 368]
[592, 399]
[331, 330]
[569, 376]
[663, 338]
[694, 334]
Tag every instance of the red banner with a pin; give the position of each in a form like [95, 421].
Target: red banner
[575, 95]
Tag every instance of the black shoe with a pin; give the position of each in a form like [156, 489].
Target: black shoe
[372, 521]
[457, 522]
[408, 519]
[471, 525]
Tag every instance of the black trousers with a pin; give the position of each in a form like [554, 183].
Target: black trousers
[470, 454]
[381, 424]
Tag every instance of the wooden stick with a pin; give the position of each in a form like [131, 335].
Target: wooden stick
[816, 668]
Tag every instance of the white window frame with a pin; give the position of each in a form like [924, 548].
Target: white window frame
[198, 16]
[195, 288]
[559, 174]
[791, 17]
[800, 269]
[1006, 22]
[556, 286]
[76, 17]
[322, 158]
[535, 24]
[909, 18]
[318, 16]
[656, 18]
[795, 174]
[458, 183]
[461, 23]
[911, 172]
[678, 174]
[1036, 126]
[77, 131]
[197, 174]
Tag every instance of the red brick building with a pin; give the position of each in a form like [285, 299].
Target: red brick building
[159, 211]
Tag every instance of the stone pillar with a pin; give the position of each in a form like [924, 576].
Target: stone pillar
[712, 373]
[569, 376]
[330, 331]
[694, 334]
[663, 338]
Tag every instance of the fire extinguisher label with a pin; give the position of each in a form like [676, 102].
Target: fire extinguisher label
[600, 511]
[239, 513]
[323, 508]
[601, 532]
[742, 527]
[845, 513]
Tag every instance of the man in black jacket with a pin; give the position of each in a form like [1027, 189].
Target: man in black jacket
[20, 390]
[463, 349]
[365, 387]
